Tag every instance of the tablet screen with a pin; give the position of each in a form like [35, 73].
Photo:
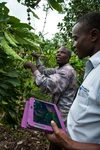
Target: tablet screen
[44, 113]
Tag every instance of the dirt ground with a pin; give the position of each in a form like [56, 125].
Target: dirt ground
[22, 139]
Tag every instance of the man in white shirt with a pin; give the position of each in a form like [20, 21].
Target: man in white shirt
[83, 124]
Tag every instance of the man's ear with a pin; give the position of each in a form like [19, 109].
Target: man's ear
[95, 33]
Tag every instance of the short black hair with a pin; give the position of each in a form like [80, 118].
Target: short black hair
[68, 51]
[90, 20]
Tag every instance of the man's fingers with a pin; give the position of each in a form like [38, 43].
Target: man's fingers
[54, 126]
[35, 55]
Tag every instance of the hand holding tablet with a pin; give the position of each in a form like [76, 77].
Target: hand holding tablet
[38, 115]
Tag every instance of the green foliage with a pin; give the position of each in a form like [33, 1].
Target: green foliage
[16, 39]
[32, 4]
[33, 13]
[8, 93]
[8, 50]
[73, 12]
[79, 66]
[54, 4]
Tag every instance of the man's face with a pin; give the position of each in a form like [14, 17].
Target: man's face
[62, 56]
[82, 41]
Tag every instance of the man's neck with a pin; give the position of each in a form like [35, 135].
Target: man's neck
[61, 65]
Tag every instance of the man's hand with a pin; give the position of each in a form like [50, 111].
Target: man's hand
[28, 65]
[31, 66]
[59, 137]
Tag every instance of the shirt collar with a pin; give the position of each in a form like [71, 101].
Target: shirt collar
[93, 62]
[95, 59]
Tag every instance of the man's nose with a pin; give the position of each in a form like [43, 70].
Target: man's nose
[74, 45]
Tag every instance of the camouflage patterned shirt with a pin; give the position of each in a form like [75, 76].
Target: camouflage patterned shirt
[60, 82]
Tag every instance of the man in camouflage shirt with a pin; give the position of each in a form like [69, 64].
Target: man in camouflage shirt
[59, 81]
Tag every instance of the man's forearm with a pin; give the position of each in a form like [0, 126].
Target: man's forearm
[33, 69]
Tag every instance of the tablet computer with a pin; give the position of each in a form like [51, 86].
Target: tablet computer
[38, 115]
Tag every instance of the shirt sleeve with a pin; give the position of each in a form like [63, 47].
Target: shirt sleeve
[43, 70]
[53, 84]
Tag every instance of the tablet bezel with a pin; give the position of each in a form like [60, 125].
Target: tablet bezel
[25, 115]
[38, 126]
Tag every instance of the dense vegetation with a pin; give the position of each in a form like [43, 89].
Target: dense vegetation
[18, 40]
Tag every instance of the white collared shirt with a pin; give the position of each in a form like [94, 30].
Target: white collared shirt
[83, 122]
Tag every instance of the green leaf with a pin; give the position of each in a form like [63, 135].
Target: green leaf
[4, 18]
[22, 32]
[6, 10]
[36, 38]
[2, 71]
[13, 81]
[9, 119]
[2, 5]
[3, 92]
[4, 86]
[60, 1]
[13, 20]
[55, 5]
[18, 0]
[12, 73]
[1, 36]
[31, 42]
[34, 14]
[22, 25]
[3, 8]
[8, 50]
[4, 103]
